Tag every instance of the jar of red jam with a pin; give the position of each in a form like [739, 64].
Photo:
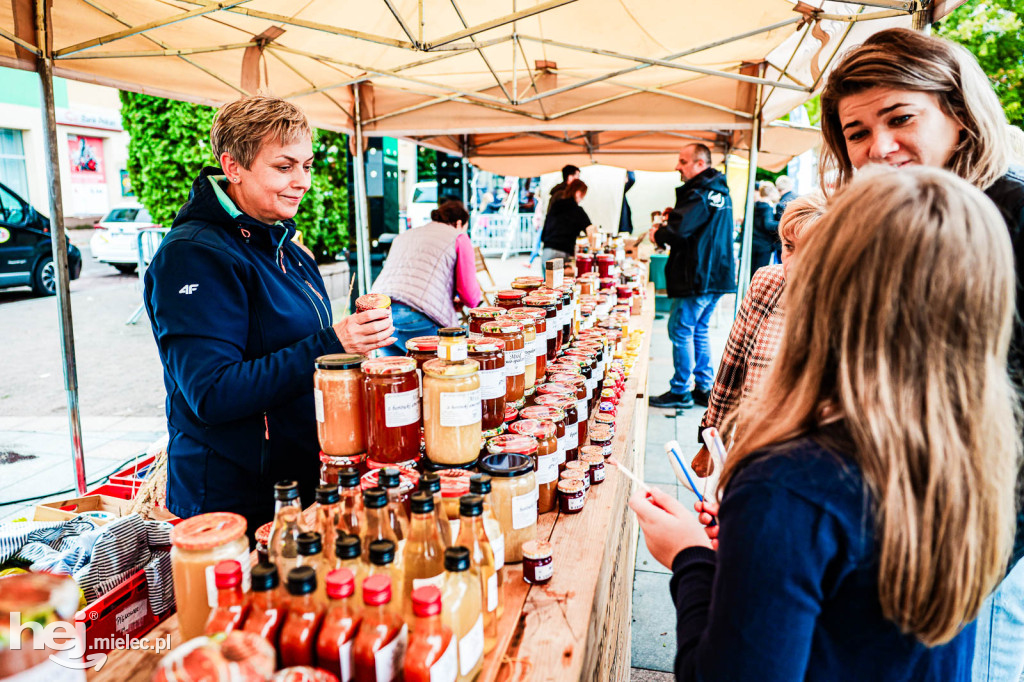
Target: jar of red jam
[584, 263]
[606, 420]
[489, 353]
[392, 399]
[510, 298]
[572, 436]
[624, 294]
[582, 413]
[601, 437]
[608, 284]
[605, 264]
[547, 459]
[571, 496]
[477, 316]
[555, 415]
[511, 332]
[551, 328]
[538, 564]
[581, 467]
[596, 464]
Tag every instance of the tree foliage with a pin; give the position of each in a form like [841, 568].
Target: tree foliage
[170, 143]
[426, 164]
[993, 30]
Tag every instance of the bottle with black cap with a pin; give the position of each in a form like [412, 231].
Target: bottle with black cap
[431, 483]
[461, 610]
[348, 553]
[473, 537]
[311, 554]
[282, 548]
[480, 484]
[423, 555]
[296, 645]
[350, 513]
[376, 526]
[327, 514]
[269, 604]
[390, 479]
[382, 562]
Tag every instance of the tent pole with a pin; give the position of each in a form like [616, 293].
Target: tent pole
[748, 208]
[59, 245]
[465, 170]
[359, 172]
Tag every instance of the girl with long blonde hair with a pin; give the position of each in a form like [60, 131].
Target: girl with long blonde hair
[868, 504]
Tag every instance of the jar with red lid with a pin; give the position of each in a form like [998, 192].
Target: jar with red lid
[540, 345]
[571, 496]
[372, 302]
[510, 298]
[454, 484]
[331, 465]
[530, 345]
[582, 414]
[421, 349]
[511, 414]
[538, 563]
[561, 314]
[605, 264]
[511, 332]
[547, 459]
[624, 294]
[556, 388]
[584, 263]
[392, 397]
[477, 316]
[489, 353]
[608, 284]
[551, 328]
[555, 415]
[568, 405]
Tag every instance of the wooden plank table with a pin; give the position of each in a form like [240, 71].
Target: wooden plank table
[576, 627]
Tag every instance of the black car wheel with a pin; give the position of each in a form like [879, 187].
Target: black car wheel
[44, 277]
[125, 268]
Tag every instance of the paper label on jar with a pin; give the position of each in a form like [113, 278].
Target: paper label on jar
[492, 384]
[401, 409]
[492, 592]
[471, 647]
[461, 409]
[244, 559]
[544, 572]
[524, 510]
[581, 411]
[562, 443]
[515, 362]
[437, 581]
[345, 659]
[597, 473]
[576, 503]
[552, 330]
[498, 547]
[547, 468]
[318, 404]
[446, 668]
[387, 661]
[572, 435]
[455, 352]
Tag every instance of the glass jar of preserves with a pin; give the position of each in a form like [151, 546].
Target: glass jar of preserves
[528, 283]
[392, 398]
[452, 344]
[452, 411]
[197, 545]
[421, 349]
[372, 302]
[338, 400]
[547, 304]
[540, 346]
[454, 484]
[596, 464]
[529, 349]
[572, 430]
[582, 402]
[477, 316]
[584, 263]
[605, 264]
[554, 297]
[511, 332]
[513, 494]
[547, 460]
[510, 298]
[538, 564]
[330, 466]
[556, 416]
[570, 496]
[567, 316]
[583, 468]
[592, 450]
[490, 355]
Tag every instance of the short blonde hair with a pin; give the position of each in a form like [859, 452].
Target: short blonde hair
[241, 127]
[800, 214]
[766, 189]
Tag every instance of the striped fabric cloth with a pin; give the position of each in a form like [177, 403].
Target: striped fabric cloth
[753, 343]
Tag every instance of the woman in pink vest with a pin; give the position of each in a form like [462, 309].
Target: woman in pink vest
[429, 274]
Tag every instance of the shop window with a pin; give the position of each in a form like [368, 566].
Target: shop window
[12, 162]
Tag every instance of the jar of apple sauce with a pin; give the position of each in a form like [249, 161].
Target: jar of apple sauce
[197, 545]
[511, 332]
[556, 416]
[529, 350]
[547, 460]
[477, 316]
[338, 400]
[452, 411]
[490, 355]
[510, 298]
[391, 393]
[572, 432]
[513, 492]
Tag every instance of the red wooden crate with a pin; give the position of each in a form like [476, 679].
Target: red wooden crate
[123, 613]
[134, 474]
[123, 492]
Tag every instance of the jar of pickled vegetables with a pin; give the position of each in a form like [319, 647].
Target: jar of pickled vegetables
[338, 401]
[511, 332]
[452, 411]
[489, 353]
[392, 397]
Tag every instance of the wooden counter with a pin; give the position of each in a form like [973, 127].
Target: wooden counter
[577, 627]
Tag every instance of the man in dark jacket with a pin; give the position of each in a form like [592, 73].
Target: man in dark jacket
[700, 269]
[784, 184]
[569, 173]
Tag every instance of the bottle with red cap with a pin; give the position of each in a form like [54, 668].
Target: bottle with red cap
[298, 635]
[379, 648]
[338, 630]
[232, 603]
[431, 655]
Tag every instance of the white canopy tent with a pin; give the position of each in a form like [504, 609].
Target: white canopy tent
[509, 84]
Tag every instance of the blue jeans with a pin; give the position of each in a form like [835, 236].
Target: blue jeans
[691, 351]
[999, 642]
[409, 323]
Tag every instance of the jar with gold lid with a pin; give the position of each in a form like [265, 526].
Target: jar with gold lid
[451, 411]
[338, 402]
[451, 344]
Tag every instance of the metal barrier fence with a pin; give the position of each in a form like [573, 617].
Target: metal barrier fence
[498, 234]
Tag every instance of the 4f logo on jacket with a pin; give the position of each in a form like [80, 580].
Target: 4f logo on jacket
[716, 199]
[188, 289]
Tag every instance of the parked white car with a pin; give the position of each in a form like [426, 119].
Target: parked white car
[423, 202]
[115, 238]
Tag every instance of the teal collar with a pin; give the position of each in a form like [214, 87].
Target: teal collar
[225, 201]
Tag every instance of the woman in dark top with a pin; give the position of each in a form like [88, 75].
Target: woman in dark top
[859, 529]
[765, 237]
[565, 221]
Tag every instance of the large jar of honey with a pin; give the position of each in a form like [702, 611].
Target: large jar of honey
[338, 398]
[513, 489]
[391, 393]
[489, 353]
[511, 332]
[452, 411]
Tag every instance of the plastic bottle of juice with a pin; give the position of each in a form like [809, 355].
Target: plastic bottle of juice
[338, 630]
[431, 655]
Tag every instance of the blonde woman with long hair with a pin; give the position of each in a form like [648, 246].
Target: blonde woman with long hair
[902, 99]
[867, 504]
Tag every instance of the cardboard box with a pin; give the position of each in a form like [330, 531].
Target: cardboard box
[62, 510]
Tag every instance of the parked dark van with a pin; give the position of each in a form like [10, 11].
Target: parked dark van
[26, 256]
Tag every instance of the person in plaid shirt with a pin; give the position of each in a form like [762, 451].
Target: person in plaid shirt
[757, 330]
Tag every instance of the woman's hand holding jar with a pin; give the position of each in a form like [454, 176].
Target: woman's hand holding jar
[365, 331]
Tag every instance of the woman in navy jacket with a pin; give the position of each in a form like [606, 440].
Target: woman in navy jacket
[240, 312]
